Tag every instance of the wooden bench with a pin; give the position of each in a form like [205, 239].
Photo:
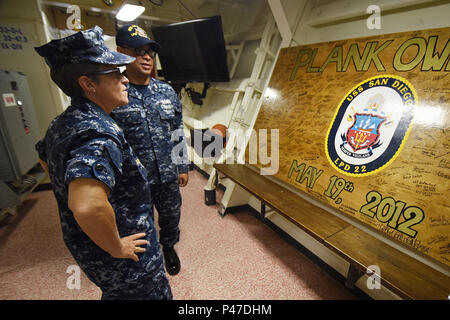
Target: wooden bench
[400, 273]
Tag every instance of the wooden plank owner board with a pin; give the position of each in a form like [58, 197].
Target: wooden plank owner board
[364, 127]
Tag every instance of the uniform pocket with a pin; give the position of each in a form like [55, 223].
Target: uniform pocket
[130, 118]
[166, 114]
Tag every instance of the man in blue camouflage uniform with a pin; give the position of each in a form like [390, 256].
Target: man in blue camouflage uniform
[100, 185]
[153, 125]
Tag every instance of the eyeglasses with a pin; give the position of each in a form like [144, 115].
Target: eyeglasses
[117, 72]
[142, 51]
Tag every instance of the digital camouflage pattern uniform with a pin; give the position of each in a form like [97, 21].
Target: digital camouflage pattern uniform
[85, 142]
[153, 125]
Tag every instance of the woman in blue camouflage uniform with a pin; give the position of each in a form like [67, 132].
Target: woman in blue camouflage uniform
[100, 185]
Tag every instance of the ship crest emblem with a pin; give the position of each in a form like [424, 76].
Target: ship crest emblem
[371, 125]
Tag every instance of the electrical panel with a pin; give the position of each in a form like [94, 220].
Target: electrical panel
[19, 132]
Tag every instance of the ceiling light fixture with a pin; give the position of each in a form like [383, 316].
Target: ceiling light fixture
[129, 12]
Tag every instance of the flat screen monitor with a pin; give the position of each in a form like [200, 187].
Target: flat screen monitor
[193, 51]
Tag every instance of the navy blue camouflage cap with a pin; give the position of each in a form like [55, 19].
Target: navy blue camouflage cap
[133, 36]
[83, 46]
